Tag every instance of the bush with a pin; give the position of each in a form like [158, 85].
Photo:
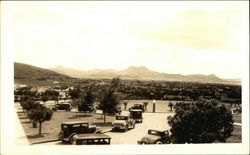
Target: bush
[201, 122]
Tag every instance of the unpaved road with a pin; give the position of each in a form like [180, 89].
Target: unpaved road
[150, 121]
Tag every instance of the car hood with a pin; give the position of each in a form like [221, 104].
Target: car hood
[150, 138]
[119, 122]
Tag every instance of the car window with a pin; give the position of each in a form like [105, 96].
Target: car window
[76, 125]
[121, 118]
[84, 125]
[152, 132]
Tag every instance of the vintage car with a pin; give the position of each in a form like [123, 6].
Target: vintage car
[124, 122]
[136, 115]
[156, 137]
[62, 106]
[138, 106]
[75, 131]
[88, 107]
[91, 139]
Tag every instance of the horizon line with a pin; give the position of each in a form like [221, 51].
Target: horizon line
[59, 65]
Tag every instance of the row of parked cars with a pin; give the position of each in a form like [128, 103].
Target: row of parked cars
[79, 132]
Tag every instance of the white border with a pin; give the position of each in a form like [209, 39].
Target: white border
[8, 145]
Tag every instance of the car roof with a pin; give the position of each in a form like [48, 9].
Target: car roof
[73, 122]
[158, 130]
[135, 110]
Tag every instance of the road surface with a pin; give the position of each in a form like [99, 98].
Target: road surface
[150, 121]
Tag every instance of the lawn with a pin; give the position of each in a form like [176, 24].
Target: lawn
[236, 135]
[51, 129]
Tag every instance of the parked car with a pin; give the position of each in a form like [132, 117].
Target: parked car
[88, 107]
[91, 139]
[136, 115]
[62, 106]
[138, 106]
[124, 122]
[77, 131]
[156, 137]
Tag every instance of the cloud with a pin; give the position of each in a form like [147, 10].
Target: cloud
[198, 29]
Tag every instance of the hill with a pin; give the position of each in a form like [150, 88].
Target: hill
[140, 73]
[25, 71]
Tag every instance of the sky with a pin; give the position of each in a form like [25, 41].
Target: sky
[171, 37]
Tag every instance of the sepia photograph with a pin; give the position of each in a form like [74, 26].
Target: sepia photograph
[123, 77]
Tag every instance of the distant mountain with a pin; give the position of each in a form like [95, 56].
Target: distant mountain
[25, 71]
[141, 73]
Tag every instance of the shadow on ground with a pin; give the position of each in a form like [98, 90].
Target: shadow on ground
[35, 136]
[79, 116]
[102, 124]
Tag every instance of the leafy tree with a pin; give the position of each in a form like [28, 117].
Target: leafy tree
[75, 93]
[145, 105]
[110, 100]
[87, 100]
[108, 103]
[44, 98]
[28, 104]
[125, 105]
[170, 105]
[75, 104]
[40, 114]
[202, 121]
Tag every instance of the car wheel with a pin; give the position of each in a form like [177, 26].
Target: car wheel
[158, 142]
[126, 129]
[72, 140]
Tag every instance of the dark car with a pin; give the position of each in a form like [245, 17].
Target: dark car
[156, 137]
[62, 106]
[138, 106]
[87, 107]
[136, 115]
[72, 131]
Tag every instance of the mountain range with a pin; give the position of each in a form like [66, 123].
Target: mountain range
[141, 73]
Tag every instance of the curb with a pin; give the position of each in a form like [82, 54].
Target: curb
[238, 124]
[45, 141]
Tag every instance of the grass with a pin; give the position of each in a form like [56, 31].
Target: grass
[236, 135]
[51, 129]
[237, 118]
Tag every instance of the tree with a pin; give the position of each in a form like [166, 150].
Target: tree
[201, 121]
[44, 98]
[28, 104]
[109, 100]
[170, 105]
[145, 105]
[108, 103]
[75, 104]
[125, 105]
[75, 93]
[87, 100]
[40, 114]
